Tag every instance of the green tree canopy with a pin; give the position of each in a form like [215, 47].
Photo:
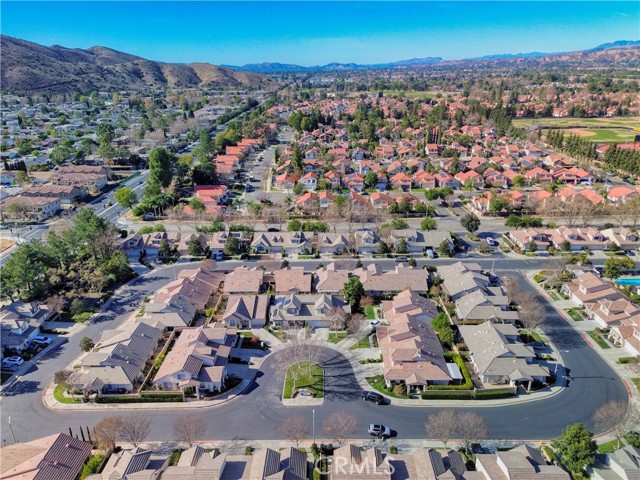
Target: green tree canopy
[470, 222]
[126, 197]
[576, 447]
[353, 291]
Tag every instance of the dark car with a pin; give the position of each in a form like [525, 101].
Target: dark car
[273, 229]
[373, 397]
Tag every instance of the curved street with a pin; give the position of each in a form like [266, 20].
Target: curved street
[258, 413]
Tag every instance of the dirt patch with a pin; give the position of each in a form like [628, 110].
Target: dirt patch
[6, 243]
[581, 132]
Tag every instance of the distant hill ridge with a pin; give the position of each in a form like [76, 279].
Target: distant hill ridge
[416, 62]
[28, 68]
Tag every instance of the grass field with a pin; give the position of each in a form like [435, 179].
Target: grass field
[609, 130]
[335, 337]
[311, 379]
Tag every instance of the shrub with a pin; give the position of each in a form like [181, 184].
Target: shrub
[248, 450]
[393, 450]
[91, 466]
[400, 389]
[146, 398]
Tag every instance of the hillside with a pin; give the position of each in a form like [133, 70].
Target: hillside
[31, 68]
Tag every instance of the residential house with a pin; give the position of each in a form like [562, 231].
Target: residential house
[621, 194]
[325, 199]
[198, 463]
[118, 359]
[498, 356]
[218, 242]
[381, 201]
[518, 463]
[354, 181]
[285, 181]
[54, 457]
[279, 242]
[470, 177]
[623, 237]
[411, 351]
[93, 182]
[246, 311]
[292, 280]
[589, 288]
[69, 196]
[323, 310]
[307, 201]
[330, 278]
[334, 244]
[443, 179]
[377, 282]
[418, 241]
[17, 333]
[198, 359]
[608, 313]
[474, 296]
[23, 208]
[424, 179]
[135, 463]
[401, 181]
[578, 238]
[622, 464]
[310, 181]
[244, 280]
[351, 462]
[367, 241]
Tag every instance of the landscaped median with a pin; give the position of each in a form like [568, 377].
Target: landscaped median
[304, 375]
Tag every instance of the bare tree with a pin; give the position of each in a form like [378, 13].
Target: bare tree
[356, 324]
[135, 429]
[442, 425]
[107, 432]
[337, 318]
[620, 211]
[618, 418]
[55, 303]
[471, 428]
[189, 427]
[531, 312]
[339, 425]
[295, 429]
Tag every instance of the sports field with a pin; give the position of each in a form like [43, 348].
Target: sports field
[601, 130]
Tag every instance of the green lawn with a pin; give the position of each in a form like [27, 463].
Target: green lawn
[377, 383]
[636, 382]
[58, 394]
[598, 339]
[534, 337]
[362, 343]
[553, 295]
[310, 377]
[610, 446]
[574, 314]
[628, 122]
[370, 312]
[335, 337]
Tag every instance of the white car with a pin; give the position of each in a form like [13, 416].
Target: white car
[375, 323]
[12, 362]
[380, 431]
[41, 340]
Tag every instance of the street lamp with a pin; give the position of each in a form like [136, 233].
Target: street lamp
[313, 423]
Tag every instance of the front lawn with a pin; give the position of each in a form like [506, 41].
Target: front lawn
[58, 394]
[310, 377]
[335, 337]
[598, 339]
[362, 343]
[533, 337]
[575, 314]
[378, 384]
[636, 382]
[553, 295]
[370, 312]
[610, 446]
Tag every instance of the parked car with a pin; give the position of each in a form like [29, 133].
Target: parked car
[379, 431]
[12, 362]
[375, 323]
[373, 397]
[491, 242]
[273, 229]
[41, 340]
[401, 259]
[430, 253]
[630, 253]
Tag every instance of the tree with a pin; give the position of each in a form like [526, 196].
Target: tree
[339, 425]
[107, 432]
[576, 447]
[295, 429]
[616, 266]
[444, 249]
[617, 417]
[160, 169]
[135, 429]
[471, 428]
[232, 246]
[126, 197]
[442, 425]
[428, 224]
[470, 222]
[165, 250]
[86, 344]
[55, 303]
[194, 246]
[355, 323]
[353, 291]
[189, 427]
[197, 206]
[370, 179]
[298, 189]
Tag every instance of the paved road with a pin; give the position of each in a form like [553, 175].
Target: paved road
[258, 414]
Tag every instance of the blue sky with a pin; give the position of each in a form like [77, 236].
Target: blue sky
[312, 33]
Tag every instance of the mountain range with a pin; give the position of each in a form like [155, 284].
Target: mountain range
[417, 62]
[31, 68]
[28, 68]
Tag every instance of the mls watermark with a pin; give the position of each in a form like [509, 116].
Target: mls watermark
[342, 466]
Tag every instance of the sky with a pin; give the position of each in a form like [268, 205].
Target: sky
[316, 33]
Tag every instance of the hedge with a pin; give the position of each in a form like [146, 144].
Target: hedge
[468, 383]
[139, 398]
[466, 394]
[92, 466]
